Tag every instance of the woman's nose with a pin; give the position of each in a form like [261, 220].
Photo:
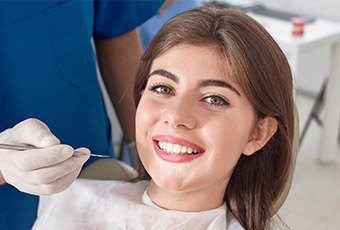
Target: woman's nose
[180, 114]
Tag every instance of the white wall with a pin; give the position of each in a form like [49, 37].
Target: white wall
[276, 4]
[328, 9]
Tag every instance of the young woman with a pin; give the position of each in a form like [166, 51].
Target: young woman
[214, 130]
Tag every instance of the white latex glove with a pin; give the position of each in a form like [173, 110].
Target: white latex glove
[44, 171]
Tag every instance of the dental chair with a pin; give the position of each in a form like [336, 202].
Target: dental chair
[110, 169]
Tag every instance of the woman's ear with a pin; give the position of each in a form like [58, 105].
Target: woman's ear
[263, 131]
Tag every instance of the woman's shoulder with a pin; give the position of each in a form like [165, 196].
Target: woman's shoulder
[84, 193]
[110, 188]
[97, 189]
[90, 202]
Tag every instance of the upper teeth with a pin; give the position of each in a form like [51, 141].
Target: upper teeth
[175, 148]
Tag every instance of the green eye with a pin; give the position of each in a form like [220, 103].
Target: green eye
[216, 100]
[161, 89]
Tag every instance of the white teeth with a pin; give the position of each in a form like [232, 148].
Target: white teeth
[163, 145]
[175, 148]
[189, 150]
[183, 149]
[169, 147]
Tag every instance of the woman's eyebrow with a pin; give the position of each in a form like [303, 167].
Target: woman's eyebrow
[165, 73]
[201, 83]
[219, 83]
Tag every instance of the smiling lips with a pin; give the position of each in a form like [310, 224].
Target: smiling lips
[174, 149]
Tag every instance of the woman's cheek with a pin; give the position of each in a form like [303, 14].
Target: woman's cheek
[145, 111]
[227, 136]
[146, 126]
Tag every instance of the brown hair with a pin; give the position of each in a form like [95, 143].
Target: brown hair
[260, 68]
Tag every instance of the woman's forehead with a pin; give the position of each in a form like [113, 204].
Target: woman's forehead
[197, 62]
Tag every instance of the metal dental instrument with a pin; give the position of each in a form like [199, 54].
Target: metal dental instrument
[23, 148]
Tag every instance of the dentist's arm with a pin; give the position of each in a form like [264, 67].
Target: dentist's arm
[118, 59]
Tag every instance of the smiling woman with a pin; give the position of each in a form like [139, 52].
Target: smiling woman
[219, 83]
[198, 110]
[214, 130]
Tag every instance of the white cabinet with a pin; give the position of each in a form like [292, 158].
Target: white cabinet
[312, 67]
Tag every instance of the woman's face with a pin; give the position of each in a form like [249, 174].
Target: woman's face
[192, 122]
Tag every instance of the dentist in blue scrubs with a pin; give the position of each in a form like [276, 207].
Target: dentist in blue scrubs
[48, 71]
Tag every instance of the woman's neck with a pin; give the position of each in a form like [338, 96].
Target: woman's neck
[202, 199]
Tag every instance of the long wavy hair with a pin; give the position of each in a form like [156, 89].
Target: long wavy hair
[260, 68]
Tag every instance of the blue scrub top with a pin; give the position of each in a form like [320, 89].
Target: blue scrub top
[47, 71]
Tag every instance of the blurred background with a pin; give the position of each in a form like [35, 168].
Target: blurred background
[308, 31]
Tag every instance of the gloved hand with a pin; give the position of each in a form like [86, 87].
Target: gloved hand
[44, 171]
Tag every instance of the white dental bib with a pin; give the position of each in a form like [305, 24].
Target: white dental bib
[95, 204]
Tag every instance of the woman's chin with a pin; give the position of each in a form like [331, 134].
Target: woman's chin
[170, 183]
